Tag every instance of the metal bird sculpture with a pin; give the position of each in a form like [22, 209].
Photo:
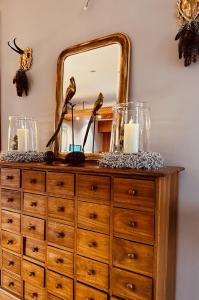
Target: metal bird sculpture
[98, 104]
[20, 79]
[70, 92]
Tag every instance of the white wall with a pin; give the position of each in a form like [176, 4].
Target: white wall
[157, 76]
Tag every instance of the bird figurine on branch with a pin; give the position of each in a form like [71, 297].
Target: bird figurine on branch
[70, 92]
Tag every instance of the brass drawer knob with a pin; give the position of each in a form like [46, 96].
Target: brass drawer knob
[9, 177]
[59, 261]
[61, 209]
[31, 274]
[31, 227]
[58, 286]
[131, 256]
[130, 286]
[132, 192]
[132, 224]
[34, 295]
[60, 235]
[93, 187]
[35, 249]
[10, 242]
[10, 200]
[33, 204]
[91, 272]
[11, 283]
[33, 181]
[60, 183]
[93, 216]
[11, 263]
[92, 244]
[10, 221]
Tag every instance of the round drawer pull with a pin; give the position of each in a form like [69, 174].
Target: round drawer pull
[10, 221]
[91, 272]
[11, 283]
[10, 242]
[9, 177]
[31, 227]
[58, 286]
[61, 209]
[89, 298]
[132, 192]
[60, 183]
[33, 181]
[35, 249]
[92, 244]
[31, 274]
[11, 263]
[33, 204]
[34, 295]
[60, 235]
[131, 256]
[93, 187]
[10, 200]
[93, 216]
[130, 286]
[132, 224]
[59, 261]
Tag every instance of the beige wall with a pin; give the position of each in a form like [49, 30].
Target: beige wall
[157, 76]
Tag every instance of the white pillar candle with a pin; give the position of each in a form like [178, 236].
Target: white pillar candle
[131, 137]
[23, 136]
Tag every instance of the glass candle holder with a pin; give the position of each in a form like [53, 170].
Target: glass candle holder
[130, 127]
[22, 134]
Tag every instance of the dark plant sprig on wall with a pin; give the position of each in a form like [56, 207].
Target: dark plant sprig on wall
[188, 37]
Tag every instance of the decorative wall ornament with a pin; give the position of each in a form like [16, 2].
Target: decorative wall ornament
[187, 10]
[20, 78]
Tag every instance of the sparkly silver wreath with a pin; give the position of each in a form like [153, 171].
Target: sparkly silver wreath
[17, 156]
[141, 160]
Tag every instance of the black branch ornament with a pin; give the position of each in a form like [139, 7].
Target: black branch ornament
[21, 79]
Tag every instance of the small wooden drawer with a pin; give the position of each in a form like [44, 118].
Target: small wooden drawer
[133, 225]
[36, 249]
[60, 285]
[11, 284]
[131, 286]
[93, 245]
[33, 181]
[11, 241]
[10, 177]
[133, 193]
[33, 274]
[94, 217]
[60, 184]
[11, 221]
[92, 272]
[93, 188]
[11, 262]
[10, 199]
[133, 256]
[61, 209]
[60, 261]
[33, 227]
[32, 292]
[35, 204]
[84, 292]
[60, 234]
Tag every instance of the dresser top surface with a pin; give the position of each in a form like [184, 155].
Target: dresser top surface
[94, 168]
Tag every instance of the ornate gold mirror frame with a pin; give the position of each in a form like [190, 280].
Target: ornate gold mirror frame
[187, 10]
[116, 38]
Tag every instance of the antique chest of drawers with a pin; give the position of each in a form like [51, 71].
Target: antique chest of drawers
[88, 233]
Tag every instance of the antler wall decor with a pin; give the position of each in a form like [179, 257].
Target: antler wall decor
[188, 35]
[20, 79]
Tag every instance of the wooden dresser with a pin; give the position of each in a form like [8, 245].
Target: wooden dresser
[88, 233]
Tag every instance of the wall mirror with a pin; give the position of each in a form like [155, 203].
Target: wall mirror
[98, 66]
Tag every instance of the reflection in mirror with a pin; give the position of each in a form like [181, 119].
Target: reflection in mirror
[98, 66]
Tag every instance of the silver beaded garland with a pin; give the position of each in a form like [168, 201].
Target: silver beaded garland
[19, 156]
